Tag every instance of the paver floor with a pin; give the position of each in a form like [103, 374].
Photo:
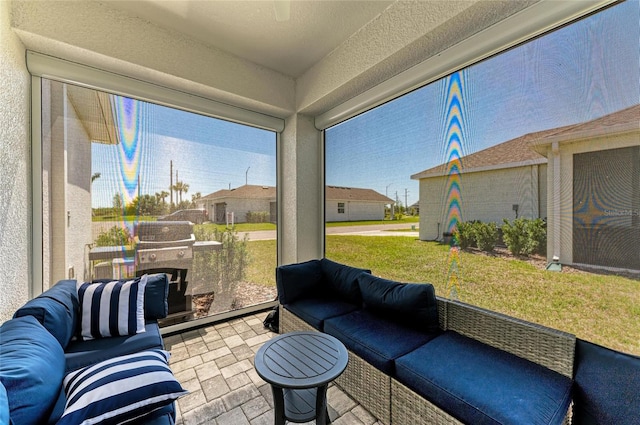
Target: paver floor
[215, 364]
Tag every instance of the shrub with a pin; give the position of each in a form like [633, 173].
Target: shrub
[257, 216]
[515, 236]
[115, 236]
[221, 270]
[486, 235]
[525, 236]
[464, 234]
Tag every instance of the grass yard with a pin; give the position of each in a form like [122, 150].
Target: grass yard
[604, 309]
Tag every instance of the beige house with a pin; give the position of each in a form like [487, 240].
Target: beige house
[487, 189]
[354, 204]
[342, 203]
[555, 174]
[594, 191]
[234, 204]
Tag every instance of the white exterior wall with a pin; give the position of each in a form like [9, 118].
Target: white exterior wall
[487, 196]
[560, 189]
[354, 211]
[15, 165]
[240, 207]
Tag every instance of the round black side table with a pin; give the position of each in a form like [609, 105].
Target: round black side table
[299, 366]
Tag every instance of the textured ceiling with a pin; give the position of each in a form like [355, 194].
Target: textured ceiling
[250, 30]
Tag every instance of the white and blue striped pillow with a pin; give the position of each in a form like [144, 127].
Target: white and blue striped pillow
[111, 309]
[120, 390]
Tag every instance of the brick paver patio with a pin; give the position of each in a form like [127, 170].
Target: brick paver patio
[215, 364]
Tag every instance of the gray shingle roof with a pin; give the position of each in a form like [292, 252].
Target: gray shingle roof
[525, 150]
[334, 193]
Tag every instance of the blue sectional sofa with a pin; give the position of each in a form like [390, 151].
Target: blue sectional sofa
[67, 357]
[415, 358]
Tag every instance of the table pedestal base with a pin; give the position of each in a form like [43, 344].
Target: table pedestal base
[301, 405]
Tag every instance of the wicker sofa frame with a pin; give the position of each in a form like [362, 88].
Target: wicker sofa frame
[394, 403]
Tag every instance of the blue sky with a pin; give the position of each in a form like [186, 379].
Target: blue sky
[572, 75]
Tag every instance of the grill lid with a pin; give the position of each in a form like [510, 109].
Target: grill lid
[164, 231]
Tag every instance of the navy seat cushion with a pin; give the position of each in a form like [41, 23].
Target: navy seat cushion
[343, 280]
[375, 339]
[56, 309]
[607, 386]
[410, 304]
[479, 384]
[31, 369]
[296, 281]
[315, 311]
[83, 353]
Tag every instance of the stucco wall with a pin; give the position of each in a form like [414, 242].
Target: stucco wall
[14, 169]
[354, 211]
[487, 196]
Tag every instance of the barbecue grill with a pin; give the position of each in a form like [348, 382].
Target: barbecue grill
[167, 247]
[159, 247]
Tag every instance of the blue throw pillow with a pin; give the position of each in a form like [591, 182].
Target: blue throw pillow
[120, 390]
[56, 309]
[300, 280]
[111, 309]
[343, 280]
[410, 304]
[31, 369]
[156, 305]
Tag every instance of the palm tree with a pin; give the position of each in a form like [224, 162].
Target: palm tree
[181, 187]
[162, 195]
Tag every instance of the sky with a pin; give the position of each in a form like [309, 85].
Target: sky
[575, 74]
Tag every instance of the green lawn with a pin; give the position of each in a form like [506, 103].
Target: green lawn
[604, 309]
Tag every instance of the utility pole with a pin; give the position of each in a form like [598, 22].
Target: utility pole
[171, 181]
[406, 206]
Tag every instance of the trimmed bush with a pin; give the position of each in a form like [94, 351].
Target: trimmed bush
[525, 236]
[486, 235]
[464, 234]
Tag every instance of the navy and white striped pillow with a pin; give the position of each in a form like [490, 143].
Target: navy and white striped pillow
[120, 390]
[111, 309]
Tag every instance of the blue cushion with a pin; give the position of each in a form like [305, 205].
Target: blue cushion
[82, 353]
[56, 309]
[4, 406]
[156, 293]
[31, 369]
[315, 311]
[376, 340]
[120, 389]
[479, 384]
[411, 304]
[607, 386]
[111, 309]
[296, 281]
[343, 280]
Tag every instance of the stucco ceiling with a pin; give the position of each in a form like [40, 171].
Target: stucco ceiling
[254, 31]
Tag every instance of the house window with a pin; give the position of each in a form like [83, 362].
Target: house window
[130, 187]
[546, 133]
[340, 207]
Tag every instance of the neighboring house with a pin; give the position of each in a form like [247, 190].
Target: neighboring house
[594, 191]
[487, 192]
[583, 178]
[342, 203]
[354, 204]
[239, 201]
